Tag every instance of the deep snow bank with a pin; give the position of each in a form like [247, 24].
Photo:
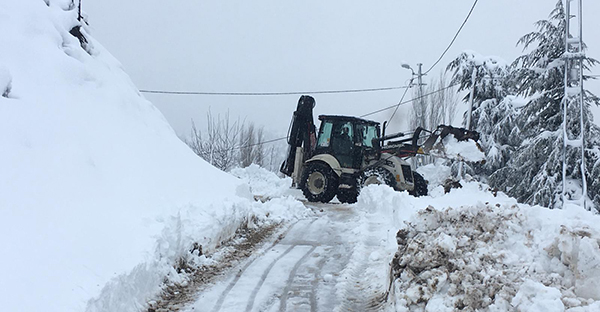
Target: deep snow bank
[472, 250]
[263, 183]
[98, 197]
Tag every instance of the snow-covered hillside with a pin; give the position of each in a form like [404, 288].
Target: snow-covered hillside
[98, 197]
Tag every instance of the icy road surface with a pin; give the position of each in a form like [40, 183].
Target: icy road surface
[330, 262]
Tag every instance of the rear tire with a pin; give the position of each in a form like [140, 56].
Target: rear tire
[319, 182]
[420, 185]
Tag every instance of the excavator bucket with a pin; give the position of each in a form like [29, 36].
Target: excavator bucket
[454, 143]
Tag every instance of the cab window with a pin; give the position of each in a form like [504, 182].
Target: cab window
[325, 134]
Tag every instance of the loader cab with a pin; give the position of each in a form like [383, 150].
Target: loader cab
[346, 138]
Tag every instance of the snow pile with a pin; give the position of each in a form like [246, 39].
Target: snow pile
[463, 150]
[435, 174]
[263, 183]
[98, 197]
[472, 250]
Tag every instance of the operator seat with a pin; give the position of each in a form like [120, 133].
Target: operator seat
[342, 147]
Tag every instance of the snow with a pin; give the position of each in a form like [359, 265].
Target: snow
[534, 296]
[463, 150]
[99, 199]
[520, 101]
[263, 183]
[479, 249]
[98, 196]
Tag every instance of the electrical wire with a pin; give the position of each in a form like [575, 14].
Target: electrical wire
[401, 99]
[375, 112]
[251, 145]
[273, 93]
[409, 101]
[453, 39]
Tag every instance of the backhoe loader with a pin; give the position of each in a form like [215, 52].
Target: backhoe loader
[348, 153]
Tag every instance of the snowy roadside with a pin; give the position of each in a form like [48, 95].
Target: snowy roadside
[472, 250]
[99, 199]
[193, 239]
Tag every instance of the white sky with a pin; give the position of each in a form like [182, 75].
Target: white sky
[271, 46]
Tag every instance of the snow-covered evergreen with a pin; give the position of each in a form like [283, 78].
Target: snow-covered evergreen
[524, 143]
[535, 171]
[493, 109]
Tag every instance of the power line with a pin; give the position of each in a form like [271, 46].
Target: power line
[406, 102]
[402, 98]
[272, 93]
[453, 39]
[365, 115]
[251, 145]
[375, 112]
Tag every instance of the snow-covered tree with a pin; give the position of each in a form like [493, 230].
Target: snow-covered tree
[534, 172]
[493, 110]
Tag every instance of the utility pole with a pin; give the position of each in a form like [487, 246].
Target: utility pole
[421, 108]
[419, 104]
[573, 97]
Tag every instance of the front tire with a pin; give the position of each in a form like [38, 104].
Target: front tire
[420, 185]
[378, 175]
[348, 196]
[319, 182]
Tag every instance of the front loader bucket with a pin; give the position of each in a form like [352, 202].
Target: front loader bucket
[461, 134]
[454, 143]
[430, 142]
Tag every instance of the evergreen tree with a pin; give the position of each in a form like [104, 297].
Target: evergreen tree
[493, 112]
[534, 171]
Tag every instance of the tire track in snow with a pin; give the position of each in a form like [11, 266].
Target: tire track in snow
[358, 295]
[263, 277]
[241, 272]
[288, 286]
[225, 292]
[176, 296]
[314, 284]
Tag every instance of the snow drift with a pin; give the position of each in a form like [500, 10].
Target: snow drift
[98, 197]
[477, 250]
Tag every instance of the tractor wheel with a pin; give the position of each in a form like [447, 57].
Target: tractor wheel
[420, 185]
[348, 196]
[378, 175]
[319, 182]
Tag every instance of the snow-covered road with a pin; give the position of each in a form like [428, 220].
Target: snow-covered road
[322, 263]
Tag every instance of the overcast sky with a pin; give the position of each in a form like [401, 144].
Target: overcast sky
[276, 45]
